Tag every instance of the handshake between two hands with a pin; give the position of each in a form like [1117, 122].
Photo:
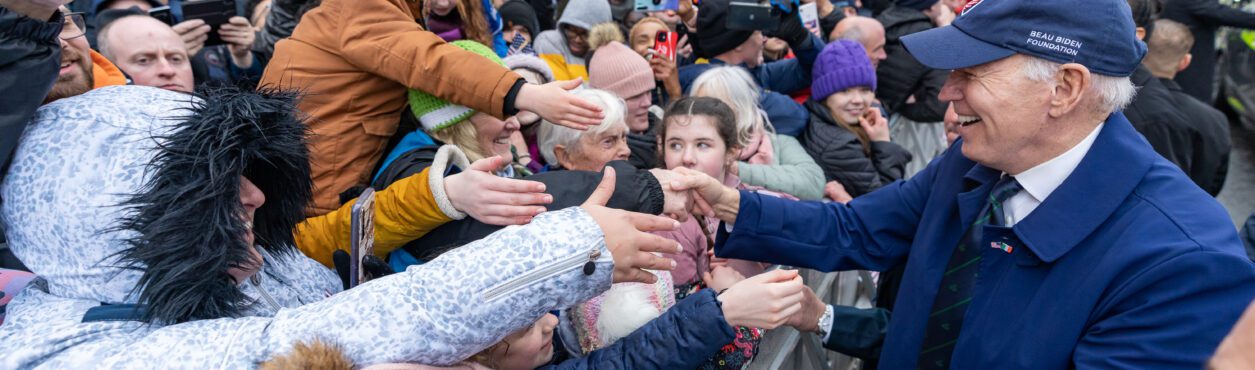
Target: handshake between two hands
[768, 300]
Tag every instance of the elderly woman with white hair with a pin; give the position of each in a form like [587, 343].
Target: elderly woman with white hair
[576, 160]
[590, 150]
[770, 160]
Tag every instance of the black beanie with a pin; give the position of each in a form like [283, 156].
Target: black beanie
[713, 35]
[521, 13]
[916, 4]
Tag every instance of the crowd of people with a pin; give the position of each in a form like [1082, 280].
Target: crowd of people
[526, 184]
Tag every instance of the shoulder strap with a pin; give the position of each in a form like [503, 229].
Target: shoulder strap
[115, 312]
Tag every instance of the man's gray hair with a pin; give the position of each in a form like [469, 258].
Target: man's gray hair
[1116, 92]
[551, 135]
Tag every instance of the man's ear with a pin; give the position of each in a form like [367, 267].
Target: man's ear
[849, 11]
[1185, 62]
[1141, 33]
[1070, 85]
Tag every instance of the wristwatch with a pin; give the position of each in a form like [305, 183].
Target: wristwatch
[825, 322]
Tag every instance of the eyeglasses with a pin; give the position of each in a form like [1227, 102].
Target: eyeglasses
[575, 33]
[75, 26]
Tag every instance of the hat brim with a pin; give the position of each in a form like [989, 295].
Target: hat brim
[950, 48]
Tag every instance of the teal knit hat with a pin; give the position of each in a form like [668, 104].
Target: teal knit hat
[437, 114]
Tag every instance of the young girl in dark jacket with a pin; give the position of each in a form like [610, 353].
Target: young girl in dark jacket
[848, 136]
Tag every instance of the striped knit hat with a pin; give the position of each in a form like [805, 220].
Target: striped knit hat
[437, 114]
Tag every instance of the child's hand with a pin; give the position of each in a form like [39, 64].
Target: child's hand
[721, 277]
[876, 126]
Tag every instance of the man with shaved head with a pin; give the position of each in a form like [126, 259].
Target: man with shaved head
[1168, 53]
[863, 30]
[149, 51]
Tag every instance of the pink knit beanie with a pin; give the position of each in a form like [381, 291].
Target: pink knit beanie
[619, 70]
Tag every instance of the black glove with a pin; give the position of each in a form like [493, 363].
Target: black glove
[791, 29]
[374, 267]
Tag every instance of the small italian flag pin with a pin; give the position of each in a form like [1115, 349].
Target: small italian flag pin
[1001, 246]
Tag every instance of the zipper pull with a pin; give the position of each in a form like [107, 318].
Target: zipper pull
[590, 267]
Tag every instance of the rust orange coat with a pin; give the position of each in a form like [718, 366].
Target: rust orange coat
[355, 60]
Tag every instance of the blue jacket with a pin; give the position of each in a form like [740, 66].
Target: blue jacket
[682, 338]
[1127, 265]
[785, 76]
[777, 79]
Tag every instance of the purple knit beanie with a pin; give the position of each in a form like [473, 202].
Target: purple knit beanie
[841, 65]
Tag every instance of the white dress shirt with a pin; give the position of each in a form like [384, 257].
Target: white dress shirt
[1040, 181]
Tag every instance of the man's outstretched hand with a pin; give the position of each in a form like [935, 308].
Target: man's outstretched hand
[555, 104]
[628, 238]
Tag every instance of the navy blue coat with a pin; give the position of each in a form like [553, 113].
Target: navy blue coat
[1127, 265]
[682, 338]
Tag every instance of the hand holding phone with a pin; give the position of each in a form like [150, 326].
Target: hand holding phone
[657, 5]
[664, 44]
[362, 236]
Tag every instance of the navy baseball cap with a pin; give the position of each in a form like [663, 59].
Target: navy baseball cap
[1098, 34]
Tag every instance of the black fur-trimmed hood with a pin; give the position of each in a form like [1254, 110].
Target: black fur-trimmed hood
[186, 223]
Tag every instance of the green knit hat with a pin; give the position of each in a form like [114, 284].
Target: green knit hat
[437, 114]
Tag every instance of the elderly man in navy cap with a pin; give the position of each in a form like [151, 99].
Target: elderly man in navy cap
[1050, 236]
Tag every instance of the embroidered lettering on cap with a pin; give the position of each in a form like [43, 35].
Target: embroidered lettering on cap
[1053, 42]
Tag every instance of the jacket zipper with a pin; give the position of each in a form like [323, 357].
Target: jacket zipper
[543, 273]
[256, 280]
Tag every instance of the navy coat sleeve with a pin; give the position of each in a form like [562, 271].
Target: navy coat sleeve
[29, 51]
[1139, 328]
[684, 337]
[872, 232]
[858, 332]
[790, 75]
[1220, 14]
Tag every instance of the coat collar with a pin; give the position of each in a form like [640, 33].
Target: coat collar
[1116, 163]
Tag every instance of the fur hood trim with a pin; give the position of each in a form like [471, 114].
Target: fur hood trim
[186, 219]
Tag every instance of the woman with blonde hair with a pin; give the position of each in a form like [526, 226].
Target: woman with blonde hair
[772, 161]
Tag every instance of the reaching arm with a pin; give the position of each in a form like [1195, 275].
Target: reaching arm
[384, 40]
[438, 314]
[872, 232]
[1214, 11]
[29, 55]
[403, 212]
[687, 334]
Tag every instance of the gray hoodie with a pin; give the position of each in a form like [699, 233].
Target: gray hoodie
[82, 157]
[552, 45]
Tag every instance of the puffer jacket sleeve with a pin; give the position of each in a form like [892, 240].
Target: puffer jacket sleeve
[682, 338]
[403, 212]
[890, 160]
[385, 40]
[796, 173]
[29, 51]
[843, 161]
[439, 313]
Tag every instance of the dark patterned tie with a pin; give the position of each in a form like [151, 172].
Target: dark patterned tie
[955, 291]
